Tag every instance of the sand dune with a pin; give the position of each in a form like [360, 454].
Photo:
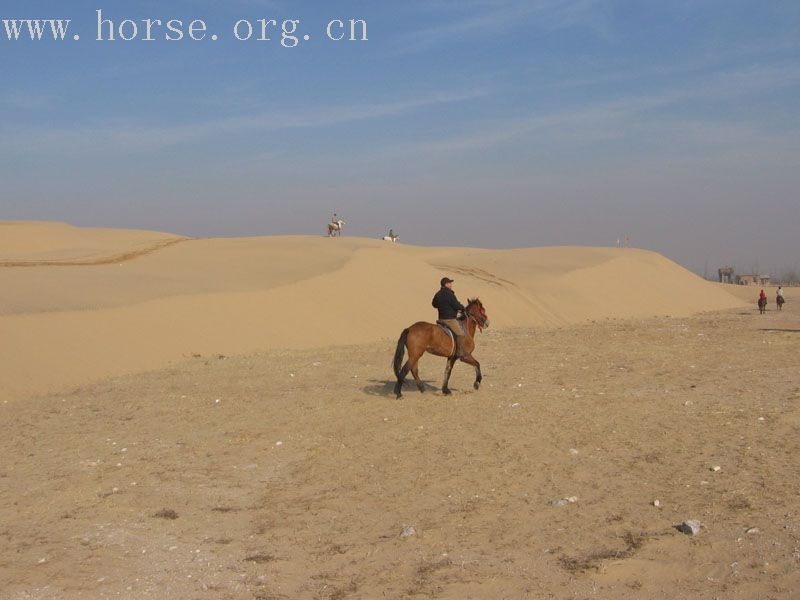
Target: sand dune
[65, 325]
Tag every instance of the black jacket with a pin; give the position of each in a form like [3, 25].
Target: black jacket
[447, 304]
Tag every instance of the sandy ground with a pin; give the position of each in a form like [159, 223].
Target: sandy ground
[292, 474]
[213, 418]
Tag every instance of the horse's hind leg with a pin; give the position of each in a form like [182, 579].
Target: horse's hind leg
[398, 387]
[411, 365]
[447, 370]
[415, 373]
[470, 360]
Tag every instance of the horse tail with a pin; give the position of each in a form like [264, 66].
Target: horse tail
[401, 350]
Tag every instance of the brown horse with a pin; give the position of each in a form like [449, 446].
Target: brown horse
[762, 305]
[424, 337]
[779, 301]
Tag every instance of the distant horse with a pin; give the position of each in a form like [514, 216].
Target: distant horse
[762, 305]
[390, 238]
[779, 301]
[424, 337]
[335, 228]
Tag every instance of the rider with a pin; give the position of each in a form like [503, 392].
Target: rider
[780, 292]
[762, 296]
[447, 304]
[391, 233]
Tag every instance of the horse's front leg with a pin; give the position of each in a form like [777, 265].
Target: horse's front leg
[447, 370]
[470, 360]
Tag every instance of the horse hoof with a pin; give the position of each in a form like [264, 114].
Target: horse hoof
[477, 385]
[446, 392]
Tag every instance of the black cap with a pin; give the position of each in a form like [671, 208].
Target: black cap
[445, 281]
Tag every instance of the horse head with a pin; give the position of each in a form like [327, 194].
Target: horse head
[476, 311]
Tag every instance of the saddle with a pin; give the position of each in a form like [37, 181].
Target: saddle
[451, 334]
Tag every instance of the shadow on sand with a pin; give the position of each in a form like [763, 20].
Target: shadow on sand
[386, 388]
[782, 330]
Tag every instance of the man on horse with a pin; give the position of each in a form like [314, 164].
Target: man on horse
[447, 304]
[335, 226]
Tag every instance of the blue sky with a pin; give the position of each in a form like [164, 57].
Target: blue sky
[483, 123]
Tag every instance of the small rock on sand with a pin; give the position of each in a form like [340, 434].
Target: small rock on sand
[690, 527]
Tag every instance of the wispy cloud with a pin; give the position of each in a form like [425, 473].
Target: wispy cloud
[25, 100]
[129, 136]
[621, 117]
[493, 18]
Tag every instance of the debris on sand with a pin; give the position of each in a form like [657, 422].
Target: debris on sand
[166, 513]
[408, 531]
[564, 501]
[689, 527]
[657, 503]
[260, 558]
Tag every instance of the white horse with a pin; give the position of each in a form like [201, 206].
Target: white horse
[335, 228]
[389, 238]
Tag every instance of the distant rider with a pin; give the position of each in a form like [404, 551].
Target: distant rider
[447, 304]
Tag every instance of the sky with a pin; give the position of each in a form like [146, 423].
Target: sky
[490, 123]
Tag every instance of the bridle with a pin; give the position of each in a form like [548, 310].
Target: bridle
[477, 323]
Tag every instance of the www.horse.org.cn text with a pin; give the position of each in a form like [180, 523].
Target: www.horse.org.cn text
[288, 33]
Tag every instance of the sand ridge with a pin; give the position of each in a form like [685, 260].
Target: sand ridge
[37, 244]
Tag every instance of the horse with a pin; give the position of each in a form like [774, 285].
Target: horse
[779, 301]
[389, 238]
[762, 305]
[424, 337]
[335, 228]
